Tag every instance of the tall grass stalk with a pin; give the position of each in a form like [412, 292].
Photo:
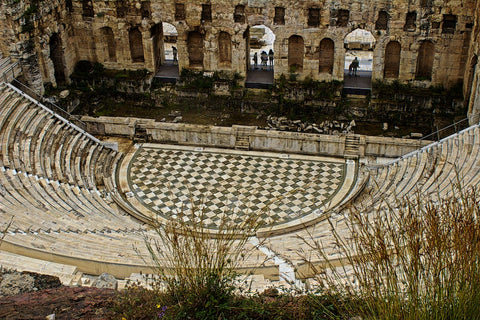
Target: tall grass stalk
[411, 259]
[198, 269]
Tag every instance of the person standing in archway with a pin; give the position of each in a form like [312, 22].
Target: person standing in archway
[255, 60]
[175, 52]
[270, 58]
[264, 58]
[355, 66]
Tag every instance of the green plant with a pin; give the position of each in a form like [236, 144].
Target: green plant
[196, 80]
[413, 259]
[136, 302]
[198, 269]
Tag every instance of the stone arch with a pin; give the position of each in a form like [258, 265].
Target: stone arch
[296, 53]
[392, 60]
[326, 56]
[136, 45]
[425, 57]
[224, 47]
[110, 45]
[195, 49]
[260, 40]
[57, 57]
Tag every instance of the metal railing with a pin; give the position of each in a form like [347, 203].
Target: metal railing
[58, 116]
[437, 133]
[425, 148]
[9, 71]
[54, 107]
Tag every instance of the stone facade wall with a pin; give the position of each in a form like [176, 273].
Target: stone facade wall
[471, 82]
[81, 26]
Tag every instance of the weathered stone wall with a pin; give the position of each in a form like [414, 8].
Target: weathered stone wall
[472, 73]
[83, 25]
[260, 140]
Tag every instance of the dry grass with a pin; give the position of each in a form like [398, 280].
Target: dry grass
[198, 270]
[412, 259]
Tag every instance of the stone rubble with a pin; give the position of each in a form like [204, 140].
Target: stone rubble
[325, 127]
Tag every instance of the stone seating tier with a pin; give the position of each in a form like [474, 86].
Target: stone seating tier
[35, 141]
[61, 187]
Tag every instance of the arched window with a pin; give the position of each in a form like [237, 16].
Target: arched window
[296, 52]
[110, 45]
[224, 47]
[326, 55]
[392, 60]
[426, 53]
[136, 45]
[195, 49]
[382, 21]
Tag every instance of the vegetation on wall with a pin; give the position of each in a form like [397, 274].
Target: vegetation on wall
[29, 16]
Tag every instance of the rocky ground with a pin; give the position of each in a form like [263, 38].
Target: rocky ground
[28, 295]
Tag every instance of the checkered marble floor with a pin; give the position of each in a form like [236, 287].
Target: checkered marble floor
[168, 181]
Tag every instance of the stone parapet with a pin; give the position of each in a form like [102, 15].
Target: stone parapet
[259, 140]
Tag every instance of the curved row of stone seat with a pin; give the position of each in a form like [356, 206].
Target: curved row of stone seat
[45, 204]
[114, 251]
[435, 168]
[34, 140]
[430, 172]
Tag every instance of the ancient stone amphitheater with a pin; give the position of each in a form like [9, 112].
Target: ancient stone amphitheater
[79, 206]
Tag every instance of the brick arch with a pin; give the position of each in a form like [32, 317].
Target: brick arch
[326, 56]
[136, 45]
[224, 47]
[296, 53]
[425, 57]
[392, 60]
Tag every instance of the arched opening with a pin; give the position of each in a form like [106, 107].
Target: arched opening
[195, 49]
[56, 55]
[296, 53]
[224, 48]
[425, 57]
[136, 45]
[108, 38]
[359, 45]
[392, 60]
[170, 36]
[165, 52]
[326, 56]
[260, 56]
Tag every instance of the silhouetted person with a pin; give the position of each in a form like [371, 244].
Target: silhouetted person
[175, 52]
[255, 60]
[264, 58]
[355, 65]
[270, 57]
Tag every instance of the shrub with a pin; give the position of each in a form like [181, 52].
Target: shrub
[198, 270]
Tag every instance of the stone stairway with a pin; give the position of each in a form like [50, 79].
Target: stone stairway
[242, 137]
[351, 146]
